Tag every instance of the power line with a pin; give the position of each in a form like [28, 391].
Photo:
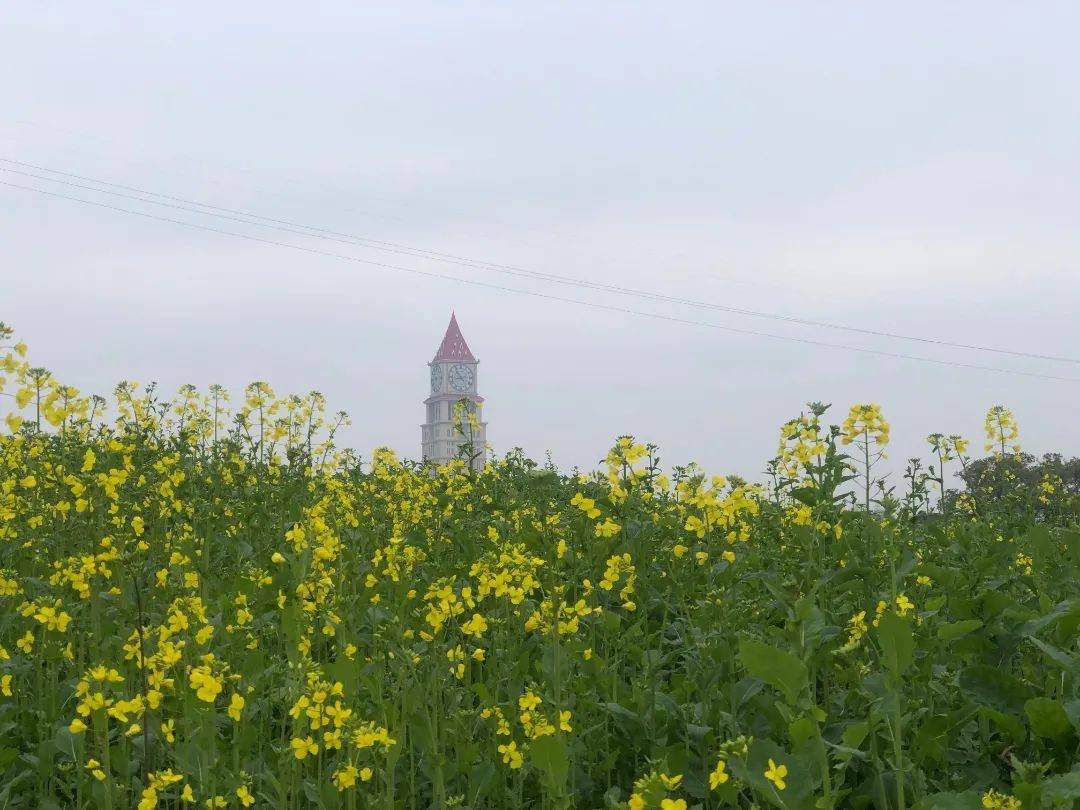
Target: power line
[536, 294]
[513, 270]
[667, 255]
[385, 199]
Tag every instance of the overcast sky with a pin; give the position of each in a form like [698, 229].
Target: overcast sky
[910, 169]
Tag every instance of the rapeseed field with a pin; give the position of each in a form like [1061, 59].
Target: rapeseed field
[207, 603]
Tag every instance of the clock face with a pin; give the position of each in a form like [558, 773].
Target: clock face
[436, 379]
[461, 377]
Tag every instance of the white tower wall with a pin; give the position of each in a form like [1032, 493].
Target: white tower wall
[448, 432]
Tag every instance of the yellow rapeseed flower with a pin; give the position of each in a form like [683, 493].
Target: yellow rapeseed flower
[302, 746]
[511, 755]
[236, 706]
[776, 773]
[719, 774]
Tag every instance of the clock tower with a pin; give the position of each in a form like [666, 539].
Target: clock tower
[454, 426]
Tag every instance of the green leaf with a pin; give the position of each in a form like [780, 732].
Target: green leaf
[778, 668]
[1067, 661]
[623, 714]
[745, 689]
[803, 779]
[481, 775]
[953, 630]
[671, 708]
[311, 793]
[548, 754]
[990, 687]
[1072, 708]
[898, 644]
[1007, 724]
[932, 739]
[613, 798]
[1047, 717]
[1041, 544]
[906, 566]
[1061, 611]
[935, 603]
[801, 730]
[969, 800]
[1064, 787]
[420, 731]
[854, 734]
[698, 734]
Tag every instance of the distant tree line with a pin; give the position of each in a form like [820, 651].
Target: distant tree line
[1045, 487]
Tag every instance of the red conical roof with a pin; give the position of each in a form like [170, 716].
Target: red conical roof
[453, 346]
